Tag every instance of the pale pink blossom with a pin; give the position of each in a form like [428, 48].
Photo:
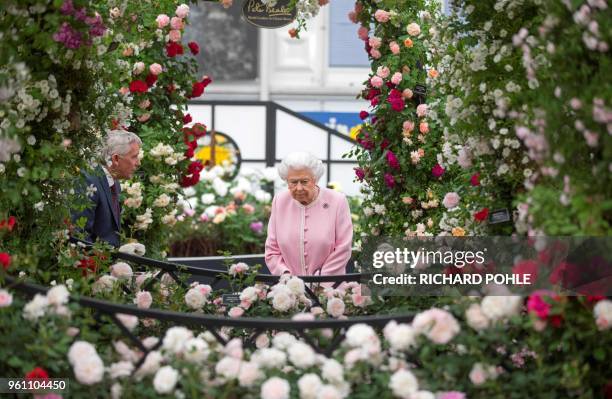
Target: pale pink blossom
[421, 110]
[275, 388]
[174, 35]
[138, 68]
[381, 16]
[5, 298]
[375, 53]
[394, 47]
[375, 42]
[144, 117]
[143, 299]
[162, 20]
[450, 200]
[144, 104]
[478, 375]
[182, 11]
[363, 32]
[121, 270]
[155, 69]
[177, 23]
[376, 81]
[408, 126]
[352, 17]
[413, 29]
[383, 72]
[438, 325]
[396, 78]
[335, 307]
[129, 321]
[407, 93]
[236, 311]
[424, 127]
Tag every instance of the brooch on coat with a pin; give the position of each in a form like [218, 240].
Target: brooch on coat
[325, 205]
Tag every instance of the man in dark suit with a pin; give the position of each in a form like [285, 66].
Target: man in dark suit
[120, 156]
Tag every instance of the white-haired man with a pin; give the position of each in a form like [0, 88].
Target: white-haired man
[120, 156]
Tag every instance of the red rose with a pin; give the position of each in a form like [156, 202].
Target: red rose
[87, 265]
[392, 160]
[5, 259]
[482, 215]
[151, 79]
[37, 373]
[206, 81]
[193, 46]
[170, 88]
[8, 224]
[198, 130]
[195, 167]
[173, 49]
[187, 119]
[191, 146]
[197, 89]
[363, 115]
[437, 171]
[188, 181]
[138, 86]
[475, 179]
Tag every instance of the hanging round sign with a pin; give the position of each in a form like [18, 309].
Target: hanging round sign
[271, 14]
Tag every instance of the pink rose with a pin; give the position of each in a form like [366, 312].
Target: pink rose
[424, 127]
[248, 208]
[375, 42]
[182, 11]
[236, 311]
[407, 93]
[143, 299]
[375, 53]
[335, 307]
[376, 81]
[413, 29]
[383, 72]
[144, 117]
[155, 69]
[174, 35]
[421, 110]
[275, 388]
[162, 20]
[5, 298]
[352, 17]
[177, 23]
[124, 90]
[408, 126]
[396, 78]
[394, 47]
[362, 32]
[450, 200]
[381, 16]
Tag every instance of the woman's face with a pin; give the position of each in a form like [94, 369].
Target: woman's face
[302, 185]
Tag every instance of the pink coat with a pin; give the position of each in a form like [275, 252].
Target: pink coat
[306, 239]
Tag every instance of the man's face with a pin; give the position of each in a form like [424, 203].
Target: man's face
[302, 185]
[123, 166]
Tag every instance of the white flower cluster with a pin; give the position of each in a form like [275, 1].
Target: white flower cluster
[54, 301]
[491, 310]
[145, 220]
[166, 152]
[134, 191]
[288, 294]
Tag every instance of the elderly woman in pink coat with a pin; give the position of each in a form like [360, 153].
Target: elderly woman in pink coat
[310, 229]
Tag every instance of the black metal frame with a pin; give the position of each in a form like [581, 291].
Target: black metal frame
[271, 108]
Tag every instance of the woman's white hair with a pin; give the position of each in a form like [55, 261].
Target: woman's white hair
[118, 142]
[301, 160]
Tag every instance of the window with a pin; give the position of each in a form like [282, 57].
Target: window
[228, 45]
[345, 48]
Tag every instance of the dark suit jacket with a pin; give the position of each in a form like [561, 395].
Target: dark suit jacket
[103, 222]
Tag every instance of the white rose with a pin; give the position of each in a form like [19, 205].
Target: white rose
[36, 308]
[196, 350]
[603, 314]
[249, 294]
[269, 358]
[301, 355]
[283, 301]
[80, 350]
[335, 307]
[249, 373]
[332, 371]
[121, 270]
[150, 365]
[400, 336]
[165, 380]
[195, 299]
[89, 370]
[275, 388]
[207, 199]
[296, 285]
[162, 201]
[476, 318]
[403, 383]
[58, 295]
[283, 340]
[120, 369]
[501, 307]
[359, 335]
[228, 367]
[329, 392]
[309, 385]
[175, 339]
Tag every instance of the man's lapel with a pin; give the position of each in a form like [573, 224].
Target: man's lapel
[109, 198]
